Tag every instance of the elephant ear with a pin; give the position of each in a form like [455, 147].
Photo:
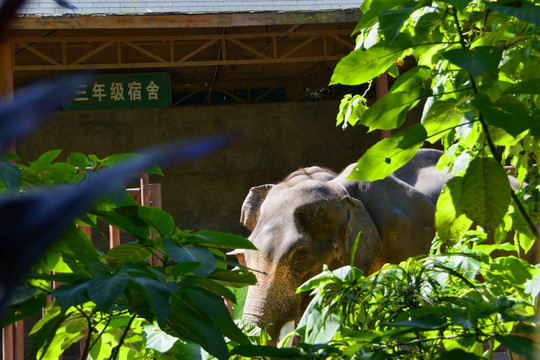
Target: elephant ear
[252, 205]
[370, 242]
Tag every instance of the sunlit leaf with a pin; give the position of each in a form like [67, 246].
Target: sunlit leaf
[360, 65]
[391, 21]
[459, 4]
[389, 111]
[450, 223]
[158, 340]
[426, 323]
[485, 193]
[389, 154]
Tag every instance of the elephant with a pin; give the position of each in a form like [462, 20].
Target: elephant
[313, 217]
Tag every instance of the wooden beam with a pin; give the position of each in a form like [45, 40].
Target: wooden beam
[99, 21]
[6, 77]
[180, 63]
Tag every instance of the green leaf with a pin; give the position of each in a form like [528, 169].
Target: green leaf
[194, 254]
[122, 254]
[413, 79]
[256, 351]
[476, 61]
[508, 113]
[157, 292]
[440, 117]
[127, 219]
[389, 154]
[45, 329]
[457, 354]
[61, 172]
[532, 287]
[360, 66]
[526, 11]
[485, 193]
[351, 110]
[105, 289]
[10, 175]
[71, 295]
[450, 223]
[391, 21]
[488, 249]
[157, 339]
[209, 285]
[319, 322]
[158, 219]
[184, 268]
[323, 278]
[424, 323]
[237, 277]
[222, 240]
[215, 308]
[191, 324]
[519, 345]
[389, 111]
[371, 10]
[79, 244]
[78, 160]
[458, 4]
[44, 161]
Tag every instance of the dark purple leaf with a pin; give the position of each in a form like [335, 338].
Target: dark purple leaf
[29, 223]
[29, 109]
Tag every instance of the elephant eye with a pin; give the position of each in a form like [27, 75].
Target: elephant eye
[300, 257]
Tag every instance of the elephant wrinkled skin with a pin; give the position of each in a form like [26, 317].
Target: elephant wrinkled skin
[313, 217]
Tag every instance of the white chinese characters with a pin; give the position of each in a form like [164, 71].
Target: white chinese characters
[116, 92]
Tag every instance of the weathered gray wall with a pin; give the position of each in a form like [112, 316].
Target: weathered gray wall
[277, 139]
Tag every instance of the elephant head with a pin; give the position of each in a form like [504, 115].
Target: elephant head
[314, 216]
[297, 226]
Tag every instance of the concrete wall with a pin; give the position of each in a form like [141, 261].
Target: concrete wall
[277, 139]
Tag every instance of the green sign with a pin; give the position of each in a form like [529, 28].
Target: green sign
[121, 91]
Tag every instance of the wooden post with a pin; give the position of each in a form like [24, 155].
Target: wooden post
[19, 340]
[6, 95]
[114, 236]
[6, 75]
[381, 89]
[7, 342]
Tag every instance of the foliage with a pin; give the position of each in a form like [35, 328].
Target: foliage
[122, 305]
[477, 79]
[430, 307]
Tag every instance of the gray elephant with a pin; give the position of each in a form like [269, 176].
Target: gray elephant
[313, 217]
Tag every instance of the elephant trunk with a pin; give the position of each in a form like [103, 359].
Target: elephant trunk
[273, 301]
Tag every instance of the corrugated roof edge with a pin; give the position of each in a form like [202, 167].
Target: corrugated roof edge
[170, 20]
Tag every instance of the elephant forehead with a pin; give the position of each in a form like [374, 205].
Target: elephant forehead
[290, 215]
[291, 196]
